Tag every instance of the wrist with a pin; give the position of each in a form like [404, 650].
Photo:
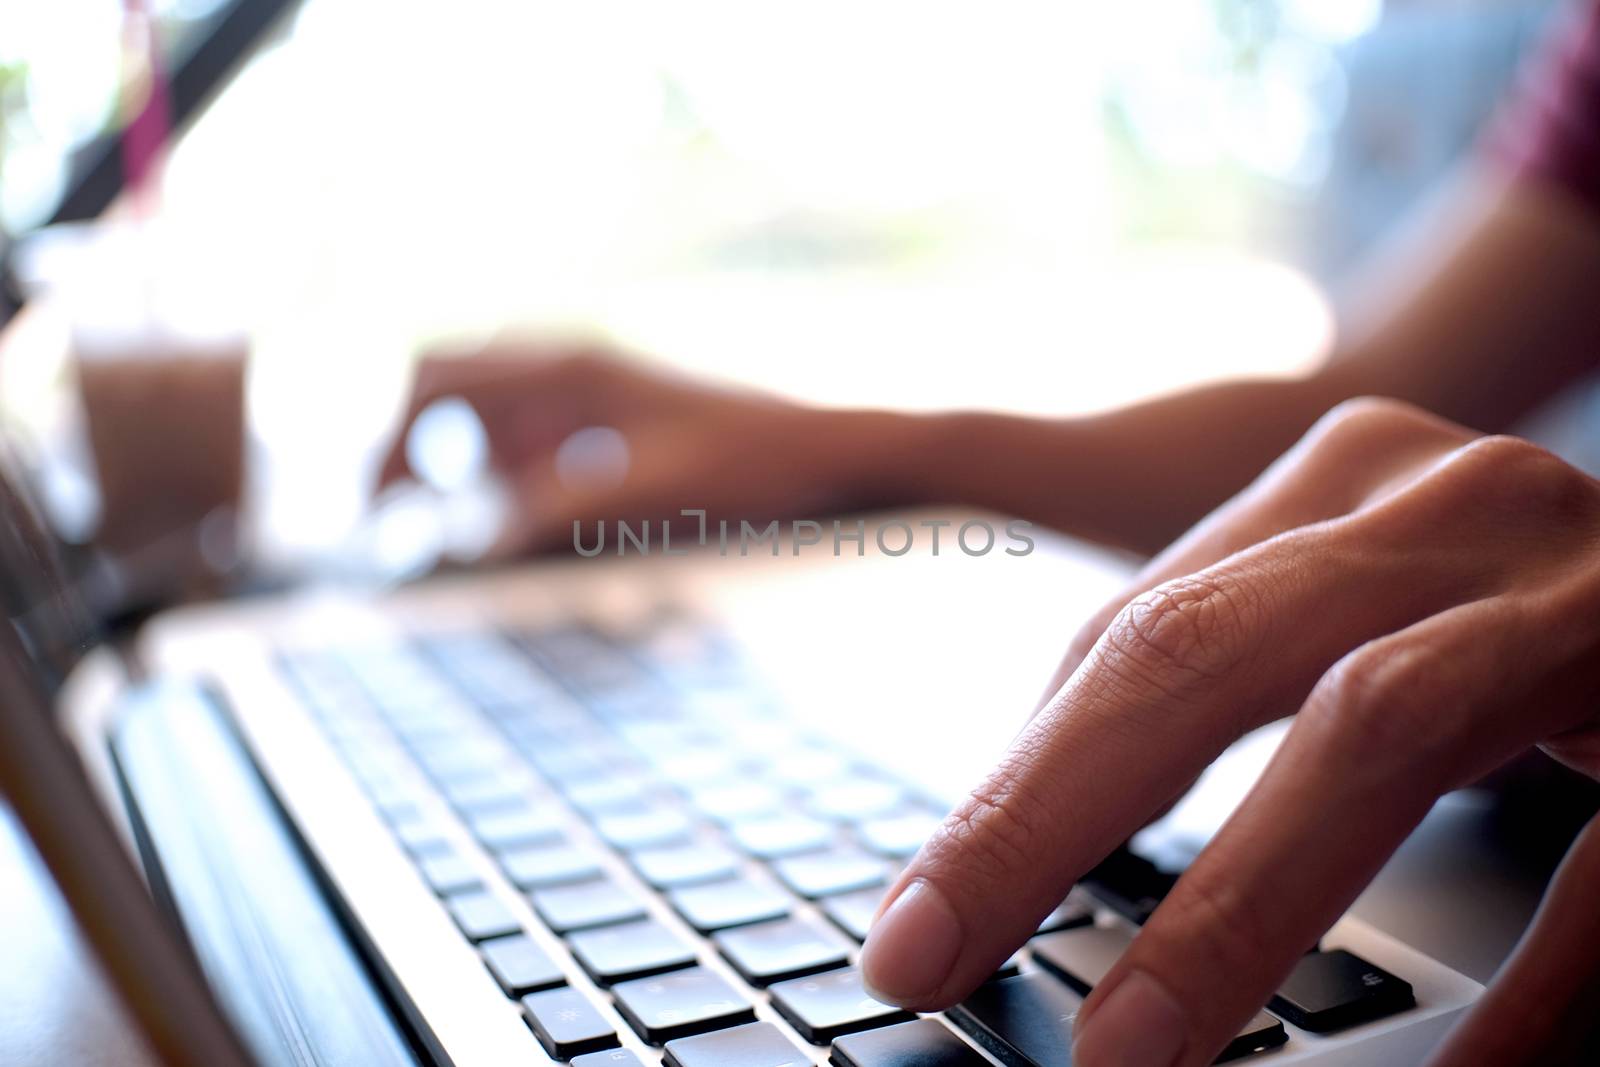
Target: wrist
[902, 459]
[868, 458]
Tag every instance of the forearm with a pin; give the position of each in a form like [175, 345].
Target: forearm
[1493, 312]
[1479, 328]
[1134, 478]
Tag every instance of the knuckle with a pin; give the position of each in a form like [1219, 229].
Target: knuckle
[1372, 430]
[1513, 476]
[1221, 923]
[1357, 419]
[1377, 702]
[1191, 630]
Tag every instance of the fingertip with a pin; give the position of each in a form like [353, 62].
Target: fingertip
[912, 947]
[1137, 1021]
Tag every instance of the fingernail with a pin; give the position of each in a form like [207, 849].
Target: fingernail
[1139, 1025]
[912, 946]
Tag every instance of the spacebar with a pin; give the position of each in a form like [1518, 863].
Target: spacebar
[450, 1000]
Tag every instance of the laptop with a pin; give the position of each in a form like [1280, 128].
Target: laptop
[565, 813]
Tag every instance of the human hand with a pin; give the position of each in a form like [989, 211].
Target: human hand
[684, 443]
[1429, 604]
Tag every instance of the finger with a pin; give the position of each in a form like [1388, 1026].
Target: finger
[1544, 1005]
[1394, 725]
[1356, 449]
[436, 376]
[1183, 672]
[528, 399]
[570, 508]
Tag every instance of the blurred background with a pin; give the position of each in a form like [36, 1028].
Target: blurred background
[1029, 206]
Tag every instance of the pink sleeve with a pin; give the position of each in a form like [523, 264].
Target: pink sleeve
[1551, 132]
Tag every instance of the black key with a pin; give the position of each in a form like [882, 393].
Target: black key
[734, 902]
[775, 951]
[1331, 990]
[1259, 1034]
[448, 872]
[632, 950]
[825, 874]
[666, 868]
[753, 1045]
[505, 828]
[1068, 914]
[853, 912]
[481, 915]
[919, 1043]
[520, 966]
[780, 835]
[616, 1057]
[578, 907]
[1082, 956]
[676, 1005]
[647, 829]
[825, 1006]
[540, 866]
[1130, 885]
[1025, 1021]
[566, 1023]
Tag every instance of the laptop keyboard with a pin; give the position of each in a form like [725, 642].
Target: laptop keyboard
[700, 870]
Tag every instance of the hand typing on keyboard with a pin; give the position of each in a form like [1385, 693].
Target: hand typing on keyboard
[1428, 605]
[670, 442]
